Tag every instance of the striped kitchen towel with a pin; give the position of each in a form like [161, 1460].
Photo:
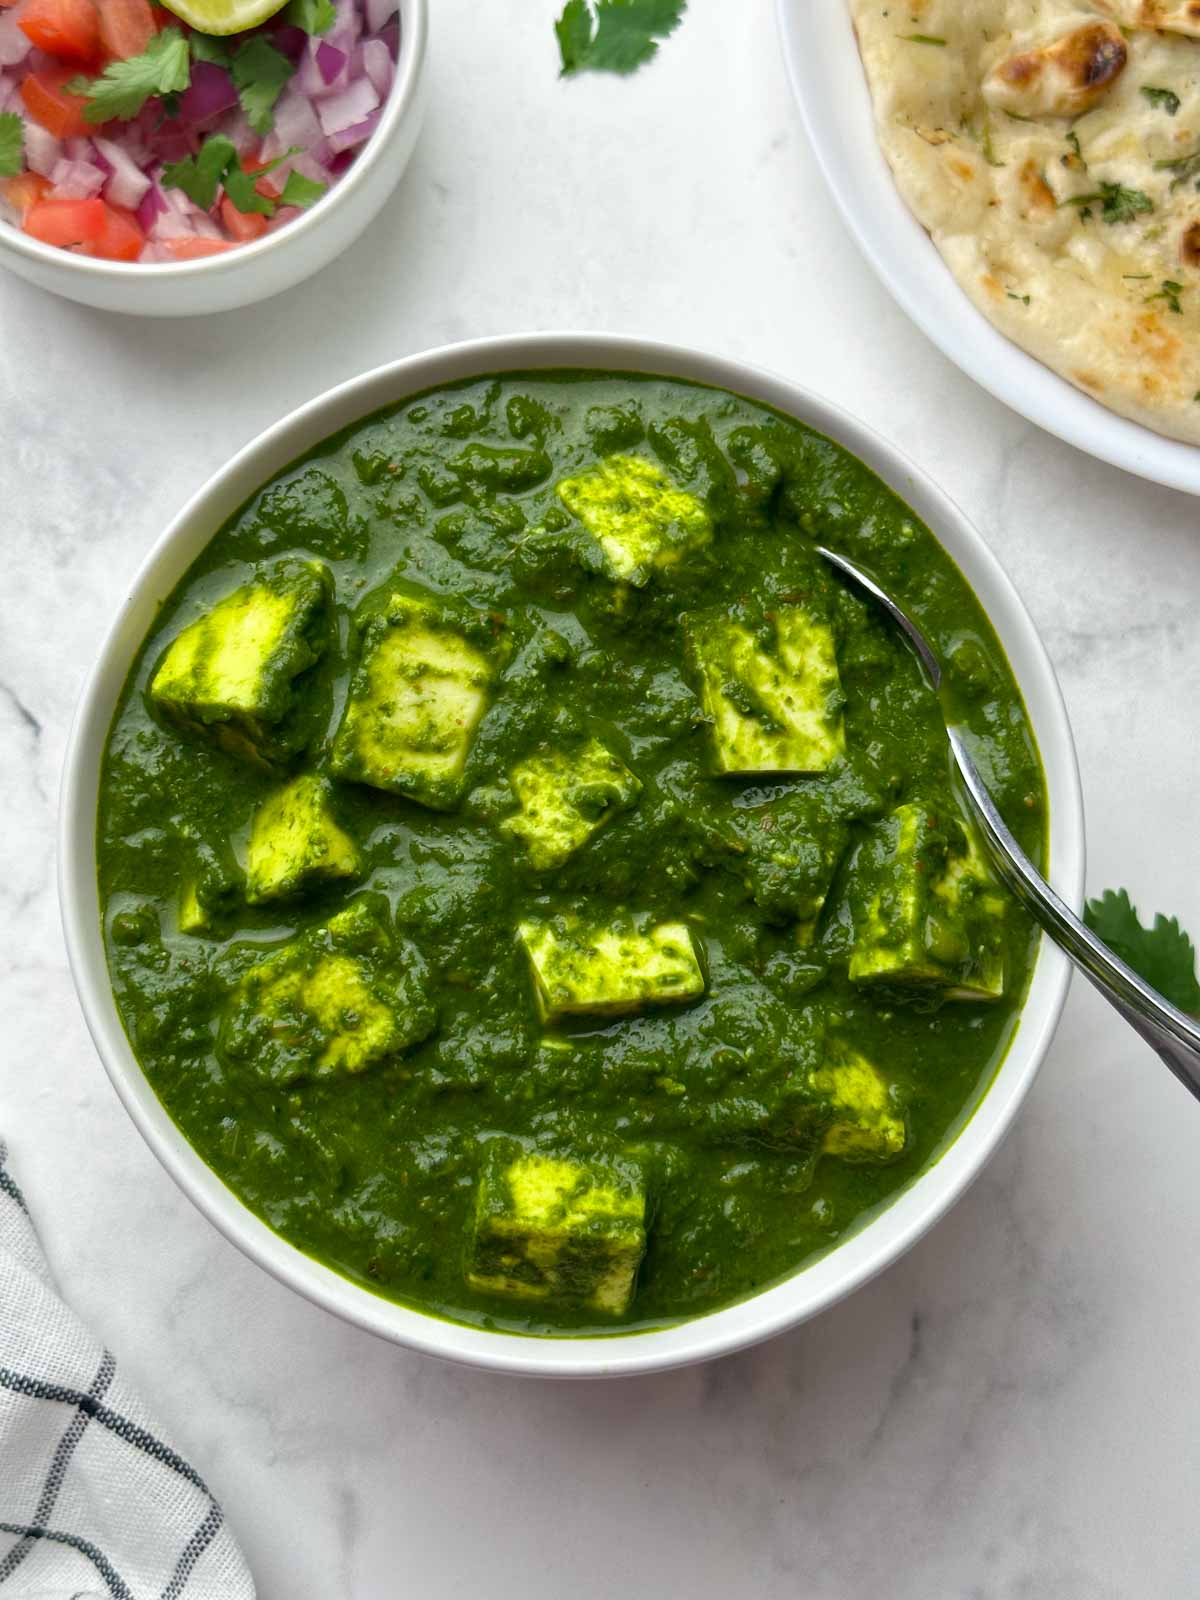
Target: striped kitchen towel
[94, 1503]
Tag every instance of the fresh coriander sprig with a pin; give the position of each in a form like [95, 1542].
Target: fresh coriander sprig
[216, 165]
[1163, 954]
[259, 74]
[1166, 99]
[1116, 202]
[613, 35]
[163, 68]
[1169, 292]
[12, 144]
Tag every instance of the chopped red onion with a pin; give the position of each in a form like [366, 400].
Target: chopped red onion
[330, 61]
[14, 45]
[378, 66]
[350, 138]
[127, 183]
[151, 207]
[379, 13]
[210, 93]
[289, 41]
[42, 149]
[342, 111]
[75, 180]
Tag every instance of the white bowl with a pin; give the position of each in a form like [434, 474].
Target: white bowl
[273, 263]
[827, 75]
[895, 1227]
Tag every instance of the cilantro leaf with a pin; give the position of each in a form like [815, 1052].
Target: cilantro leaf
[1184, 168]
[614, 35]
[201, 175]
[575, 29]
[206, 48]
[12, 144]
[259, 74]
[313, 16]
[163, 68]
[1117, 203]
[1163, 955]
[1166, 98]
[218, 166]
[1169, 292]
[301, 191]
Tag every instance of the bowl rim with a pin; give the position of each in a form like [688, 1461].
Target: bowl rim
[399, 105]
[896, 1226]
[824, 69]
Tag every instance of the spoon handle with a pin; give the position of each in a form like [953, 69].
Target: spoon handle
[1163, 1026]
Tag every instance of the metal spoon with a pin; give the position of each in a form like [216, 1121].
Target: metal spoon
[1166, 1029]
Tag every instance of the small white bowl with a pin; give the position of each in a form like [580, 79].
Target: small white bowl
[273, 263]
[827, 76]
[895, 1227]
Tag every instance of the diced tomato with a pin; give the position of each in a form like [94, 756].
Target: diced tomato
[25, 191]
[66, 222]
[122, 239]
[126, 27]
[267, 187]
[162, 18]
[67, 29]
[49, 103]
[196, 249]
[242, 225]
[90, 227]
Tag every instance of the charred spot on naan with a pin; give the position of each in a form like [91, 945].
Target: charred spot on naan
[1061, 78]
[1165, 16]
[1189, 245]
[1036, 194]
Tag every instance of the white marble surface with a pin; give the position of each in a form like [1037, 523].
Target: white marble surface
[1009, 1413]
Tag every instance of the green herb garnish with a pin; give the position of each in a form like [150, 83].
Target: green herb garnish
[922, 38]
[12, 144]
[259, 74]
[313, 16]
[217, 166]
[205, 48]
[1167, 99]
[1023, 298]
[1117, 203]
[1184, 167]
[1169, 292]
[301, 191]
[613, 35]
[1163, 955]
[163, 68]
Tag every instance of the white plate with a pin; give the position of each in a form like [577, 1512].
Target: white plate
[826, 73]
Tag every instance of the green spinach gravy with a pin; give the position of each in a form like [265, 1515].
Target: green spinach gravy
[533, 882]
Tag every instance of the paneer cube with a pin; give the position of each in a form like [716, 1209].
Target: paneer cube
[548, 1228]
[581, 968]
[295, 841]
[336, 1000]
[416, 699]
[566, 796]
[928, 915]
[867, 1122]
[774, 696]
[640, 520]
[230, 676]
[212, 885]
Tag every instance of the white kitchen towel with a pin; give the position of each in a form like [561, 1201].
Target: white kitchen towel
[95, 1504]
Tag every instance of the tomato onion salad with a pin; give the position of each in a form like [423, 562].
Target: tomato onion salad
[126, 134]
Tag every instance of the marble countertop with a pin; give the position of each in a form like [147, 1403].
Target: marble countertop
[1010, 1412]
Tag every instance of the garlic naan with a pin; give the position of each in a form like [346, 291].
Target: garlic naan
[1052, 150]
